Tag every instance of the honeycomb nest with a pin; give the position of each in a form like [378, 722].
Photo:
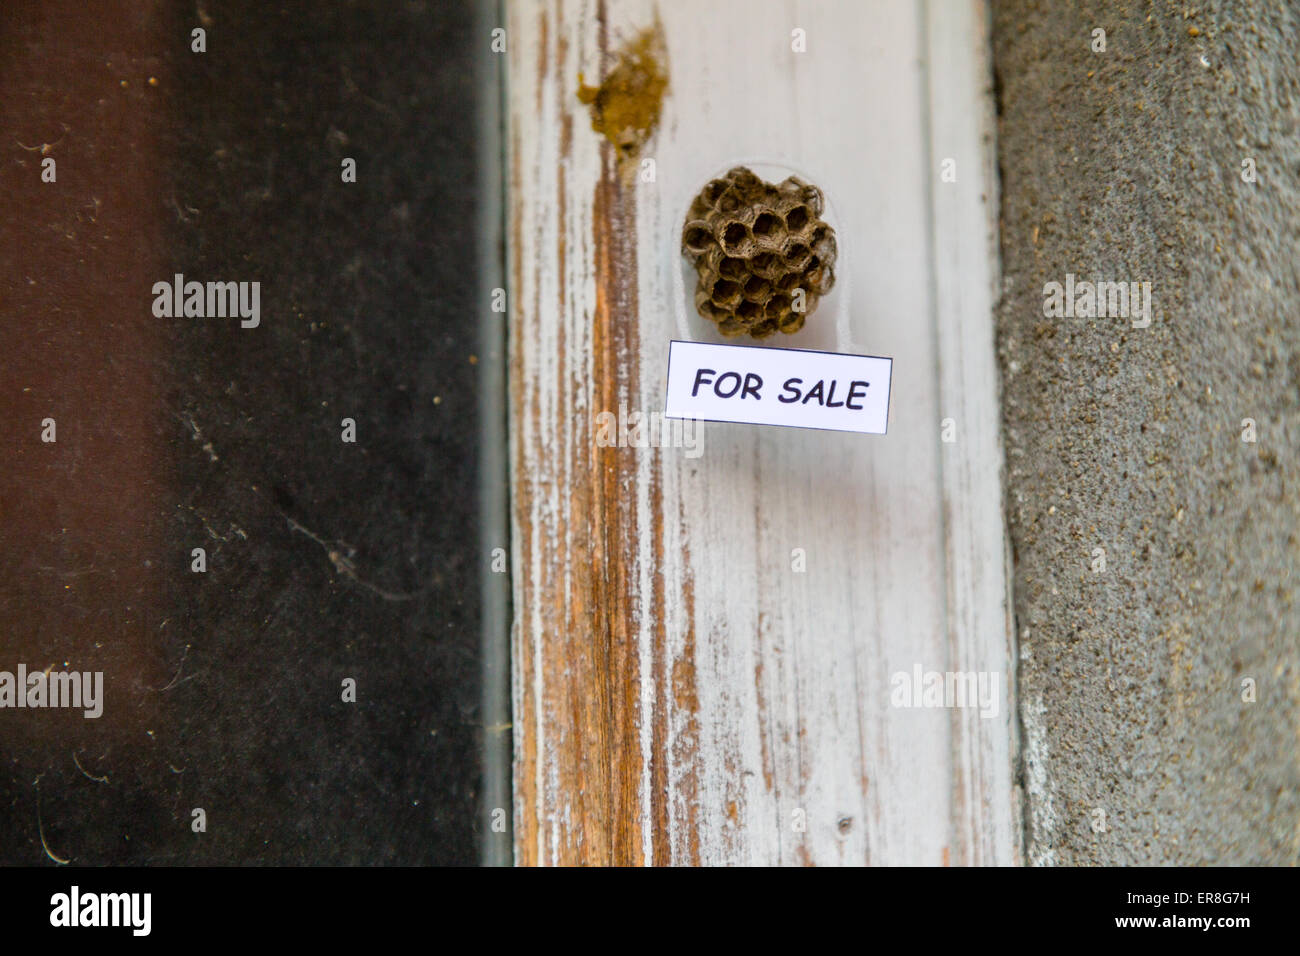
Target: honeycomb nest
[753, 244]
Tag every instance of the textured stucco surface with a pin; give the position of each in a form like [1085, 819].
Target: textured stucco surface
[1126, 165]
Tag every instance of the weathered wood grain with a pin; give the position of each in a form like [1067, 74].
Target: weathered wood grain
[682, 692]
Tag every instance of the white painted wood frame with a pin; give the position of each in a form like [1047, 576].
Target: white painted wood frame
[683, 693]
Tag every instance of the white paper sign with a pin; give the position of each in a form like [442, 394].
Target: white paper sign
[797, 387]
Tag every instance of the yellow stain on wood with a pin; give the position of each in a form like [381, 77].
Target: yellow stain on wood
[625, 108]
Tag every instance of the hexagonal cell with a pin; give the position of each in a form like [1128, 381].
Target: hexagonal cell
[797, 256]
[792, 322]
[706, 307]
[733, 268]
[735, 239]
[761, 264]
[697, 237]
[749, 311]
[818, 277]
[713, 191]
[730, 201]
[823, 243]
[757, 289]
[725, 292]
[766, 224]
[788, 282]
[777, 306]
[798, 217]
[743, 177]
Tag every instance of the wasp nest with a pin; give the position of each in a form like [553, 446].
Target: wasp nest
[756, 248]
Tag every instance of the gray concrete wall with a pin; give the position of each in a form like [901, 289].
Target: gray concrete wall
[1126, 165]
